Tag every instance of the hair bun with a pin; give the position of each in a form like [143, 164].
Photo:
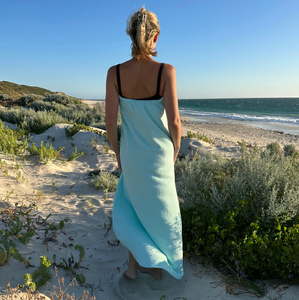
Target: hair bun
[142, 27]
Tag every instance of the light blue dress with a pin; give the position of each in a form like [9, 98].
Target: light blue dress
[146, 213]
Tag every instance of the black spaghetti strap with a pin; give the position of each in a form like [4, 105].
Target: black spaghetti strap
[118, 80]
[159, 79]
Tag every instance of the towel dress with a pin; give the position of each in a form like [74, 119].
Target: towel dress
[146, 213]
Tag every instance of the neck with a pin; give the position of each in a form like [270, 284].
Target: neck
[143, 58]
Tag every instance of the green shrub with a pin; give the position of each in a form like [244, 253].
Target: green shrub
[41, 115]
[62, 99]
[274, 148]
[290, 150]
[48, 106]
[78, 114]
[270, 185]
[30, 120]
[231, 238]
[4, 97]
[98, 113]
[105, 181]
[244, 213]
[27, 99]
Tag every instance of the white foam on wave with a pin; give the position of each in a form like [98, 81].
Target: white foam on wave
[233, 116]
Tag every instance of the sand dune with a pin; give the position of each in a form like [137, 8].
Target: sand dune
[62, 190]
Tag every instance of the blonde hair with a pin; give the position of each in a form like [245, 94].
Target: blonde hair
[142, 27]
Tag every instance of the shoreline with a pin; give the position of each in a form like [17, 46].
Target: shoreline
[286, 128]
[282, 128]
[227, 135]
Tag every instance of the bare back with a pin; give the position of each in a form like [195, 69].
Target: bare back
[139, 79]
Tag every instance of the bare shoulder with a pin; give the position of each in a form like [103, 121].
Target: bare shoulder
[111, 72]
[169, 70]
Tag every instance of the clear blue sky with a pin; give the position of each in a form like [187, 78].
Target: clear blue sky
[220, 48]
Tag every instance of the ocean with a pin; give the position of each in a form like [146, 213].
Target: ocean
[281, 114]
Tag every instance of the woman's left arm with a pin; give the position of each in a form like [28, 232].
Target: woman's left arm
[111, 108]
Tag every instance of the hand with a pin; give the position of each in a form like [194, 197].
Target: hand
[175, 154]
[118, 162]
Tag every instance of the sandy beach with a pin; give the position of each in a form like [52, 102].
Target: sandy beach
[62, 190]
[225, 136]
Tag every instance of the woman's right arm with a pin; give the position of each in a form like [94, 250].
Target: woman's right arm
[172, 107]
[111, 107]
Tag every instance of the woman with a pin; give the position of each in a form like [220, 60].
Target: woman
[146, 215]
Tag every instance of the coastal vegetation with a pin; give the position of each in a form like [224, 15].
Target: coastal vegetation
[11, 92]
[197, 135]
[105, 181]
[240, 214]
[243, 214]
[41, 115]
[36, 109]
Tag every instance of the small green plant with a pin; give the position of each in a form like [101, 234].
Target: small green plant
[46, 153]
[10, 251]
[54, 227]
[22, 231]
[70, 265]
[94, 142]
[109, 226]
[105, 181]
[197, 135]
[40, 276]
[54, 188]
[12, 142]
[72, 130]
[74, 155]
[81, 254]
[9, 194]
[15, 227]
[106, 148]
[89, 203]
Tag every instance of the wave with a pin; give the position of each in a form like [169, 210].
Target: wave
[235, 116]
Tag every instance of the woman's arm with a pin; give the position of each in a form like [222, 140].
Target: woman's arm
[172, 108]
[111, 108]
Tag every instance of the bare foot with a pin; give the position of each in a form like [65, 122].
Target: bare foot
[131, 273]
[154, 272]
[132, 267]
